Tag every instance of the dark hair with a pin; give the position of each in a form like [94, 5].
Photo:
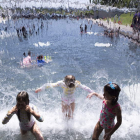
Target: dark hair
[113, 90]
[72, 78]
[29, 53]
[23, 96]
[40, 57]
[24, 54]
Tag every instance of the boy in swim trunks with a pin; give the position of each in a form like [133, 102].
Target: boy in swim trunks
[69, 84]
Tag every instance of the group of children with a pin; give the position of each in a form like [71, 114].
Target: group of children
[110, 108]
[28, 62]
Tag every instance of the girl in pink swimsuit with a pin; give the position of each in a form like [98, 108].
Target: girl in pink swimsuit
[25, 113]
[27, 60]
[110, 110]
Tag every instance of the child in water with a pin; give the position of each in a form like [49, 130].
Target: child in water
[25, 113]
[110, 110]
[40, 59]
[27, 60]
[69, 84]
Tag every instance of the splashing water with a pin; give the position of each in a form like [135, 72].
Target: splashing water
[76, 54]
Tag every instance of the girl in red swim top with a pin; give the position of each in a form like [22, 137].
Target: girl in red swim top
[110, 110]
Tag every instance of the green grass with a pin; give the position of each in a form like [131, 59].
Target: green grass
[126, 19]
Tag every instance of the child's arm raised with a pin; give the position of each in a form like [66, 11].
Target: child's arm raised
[37, 90]
[9, 115]
[49, 85]
[117, 125]
[96, 94]
[42, 87]
[89, 90]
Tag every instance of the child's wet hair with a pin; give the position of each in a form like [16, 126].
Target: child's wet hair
[23, 96]
[113, 90]
[68, 77]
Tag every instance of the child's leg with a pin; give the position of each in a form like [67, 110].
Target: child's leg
[97, 131]
[64, 108]
[71, 110]
[35, 130]
[106, 131]
[23, 132]
[68, 109]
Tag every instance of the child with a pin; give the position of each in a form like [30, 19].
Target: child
[110, 109]
[25, 113]
[40, 60]
[27, 60]
[69, 84]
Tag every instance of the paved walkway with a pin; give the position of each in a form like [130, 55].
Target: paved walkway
[127, 31]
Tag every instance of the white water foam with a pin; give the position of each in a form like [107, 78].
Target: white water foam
[42, 44]
[86, 114]
[132, 92]
[90, 33]
[102, 44]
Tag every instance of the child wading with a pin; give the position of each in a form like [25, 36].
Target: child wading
[25, 113]
[110, 110]
[27, 60]
[69, 84]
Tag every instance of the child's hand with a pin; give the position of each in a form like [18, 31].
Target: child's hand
[95, 94]
[37, 90]
[90, 95]
[107, 136]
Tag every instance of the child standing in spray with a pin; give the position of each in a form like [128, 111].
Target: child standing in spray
[110, 110]
[69, 84]
[25, 113]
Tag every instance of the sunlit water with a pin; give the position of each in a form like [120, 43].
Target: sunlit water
[72, 53]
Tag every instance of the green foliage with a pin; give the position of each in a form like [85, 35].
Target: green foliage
[126, 19]
[1, 8]
[120, 3]
[89, 13]
[58, 12]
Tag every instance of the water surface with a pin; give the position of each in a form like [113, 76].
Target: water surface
[72, 53]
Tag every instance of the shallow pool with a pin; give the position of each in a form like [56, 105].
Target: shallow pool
[72, 53]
